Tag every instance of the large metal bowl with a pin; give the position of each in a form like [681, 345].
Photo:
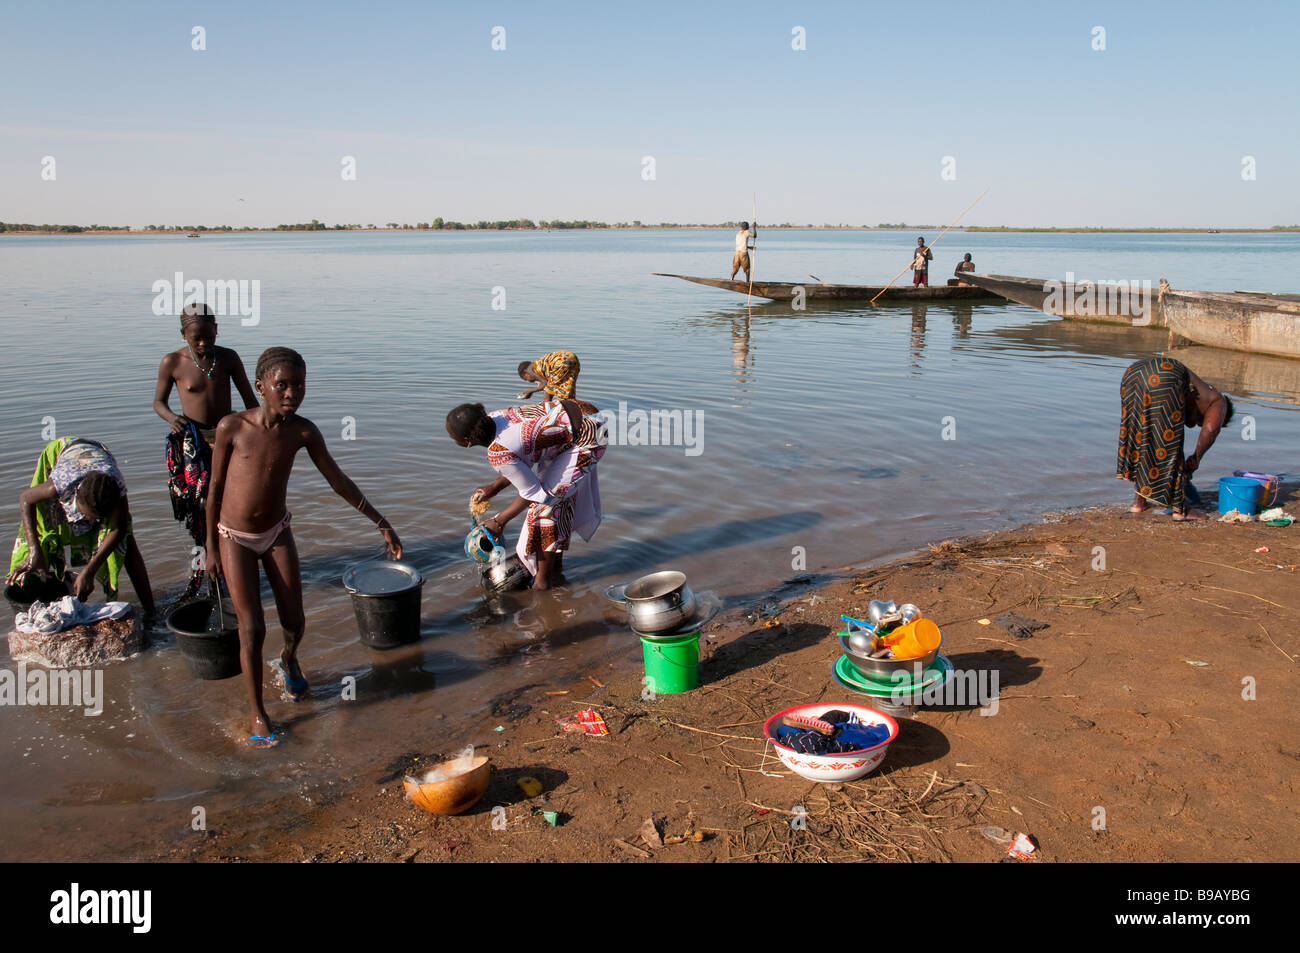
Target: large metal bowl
[659, 602]
[883, 669]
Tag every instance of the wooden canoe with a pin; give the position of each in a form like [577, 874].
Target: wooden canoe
[1078, 300]
[1260, 324]
[812, 290]
[1252, 321]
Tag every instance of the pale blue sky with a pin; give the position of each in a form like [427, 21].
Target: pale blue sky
[1152, 130]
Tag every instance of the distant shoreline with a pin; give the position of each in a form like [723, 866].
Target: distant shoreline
[971, 229]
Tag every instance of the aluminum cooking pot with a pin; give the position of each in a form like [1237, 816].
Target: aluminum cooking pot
[659, 602]
[506, 574]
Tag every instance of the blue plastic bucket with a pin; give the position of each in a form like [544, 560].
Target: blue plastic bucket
[1240, 494]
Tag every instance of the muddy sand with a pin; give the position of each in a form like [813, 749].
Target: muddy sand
[1151, 720]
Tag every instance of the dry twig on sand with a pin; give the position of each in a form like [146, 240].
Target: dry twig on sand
[861, 821]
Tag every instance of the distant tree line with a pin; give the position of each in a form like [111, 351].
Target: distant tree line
[24, 227]
[440, 224]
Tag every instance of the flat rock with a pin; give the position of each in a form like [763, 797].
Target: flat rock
[81, 646]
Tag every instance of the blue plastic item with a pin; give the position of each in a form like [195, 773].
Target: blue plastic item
[1240, 494]
[481, 546]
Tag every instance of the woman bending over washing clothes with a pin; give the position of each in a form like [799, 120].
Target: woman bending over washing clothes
[548, 452]
[1160, 397]
[556, 374]
[78, 499]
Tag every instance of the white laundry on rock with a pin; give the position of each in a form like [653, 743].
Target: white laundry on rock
[45, 618]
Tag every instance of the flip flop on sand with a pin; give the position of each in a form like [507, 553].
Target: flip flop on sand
[295, 689]
[263, 742]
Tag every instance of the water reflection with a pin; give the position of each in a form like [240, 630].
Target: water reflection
[961, 320]
[742, 349]
[1061, 336]
[1274, 380]
[917, 345]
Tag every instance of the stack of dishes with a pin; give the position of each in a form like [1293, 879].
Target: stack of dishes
[895, 685]
[660, 606]
[662, 610]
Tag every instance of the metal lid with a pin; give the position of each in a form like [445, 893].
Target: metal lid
[381, 578]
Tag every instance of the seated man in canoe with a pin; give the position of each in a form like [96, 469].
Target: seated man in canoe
[963, 266]
[1160, 397]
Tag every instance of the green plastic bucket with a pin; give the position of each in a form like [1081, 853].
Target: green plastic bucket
[672, 666]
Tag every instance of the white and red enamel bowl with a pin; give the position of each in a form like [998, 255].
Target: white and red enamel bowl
[846, 766]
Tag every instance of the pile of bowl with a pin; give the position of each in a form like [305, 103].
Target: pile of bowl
[662, 610]
[894, 633]
[844, 765]
[892, 657]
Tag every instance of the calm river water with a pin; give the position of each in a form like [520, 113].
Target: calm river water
[821, 438]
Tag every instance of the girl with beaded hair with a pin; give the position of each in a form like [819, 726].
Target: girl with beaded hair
[248, 521]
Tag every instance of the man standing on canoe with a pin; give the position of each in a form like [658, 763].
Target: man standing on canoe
[921, 264]
[744, 242]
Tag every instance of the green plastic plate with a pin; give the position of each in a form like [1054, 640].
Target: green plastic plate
[849, 677]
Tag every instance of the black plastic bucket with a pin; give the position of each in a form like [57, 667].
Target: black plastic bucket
[386, 602]
[208, 655]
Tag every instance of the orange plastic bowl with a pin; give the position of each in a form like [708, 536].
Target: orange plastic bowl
[453, 795]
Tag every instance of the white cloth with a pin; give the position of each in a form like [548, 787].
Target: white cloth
[47, 618]
[742, 240]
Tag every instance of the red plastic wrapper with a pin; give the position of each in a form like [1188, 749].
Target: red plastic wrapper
[1023, 848]
[588, 721]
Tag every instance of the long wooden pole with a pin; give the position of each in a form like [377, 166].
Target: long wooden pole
[932, 244]
[754, 259]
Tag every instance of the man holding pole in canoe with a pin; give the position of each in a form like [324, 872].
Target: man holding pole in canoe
[921, 264]
[744, 242]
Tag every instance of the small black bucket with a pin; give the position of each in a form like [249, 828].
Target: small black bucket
[386, 601]
[208, 655]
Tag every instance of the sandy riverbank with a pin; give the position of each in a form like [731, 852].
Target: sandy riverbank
[1130, 702]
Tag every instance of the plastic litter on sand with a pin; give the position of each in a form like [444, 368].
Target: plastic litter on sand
[588, 720]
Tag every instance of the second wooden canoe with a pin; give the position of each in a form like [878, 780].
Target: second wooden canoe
[1133, 303]
[786, 290]
[1260, 324]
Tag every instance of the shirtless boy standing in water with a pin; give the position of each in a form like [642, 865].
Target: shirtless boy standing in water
[202, 374]
[248, 522]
